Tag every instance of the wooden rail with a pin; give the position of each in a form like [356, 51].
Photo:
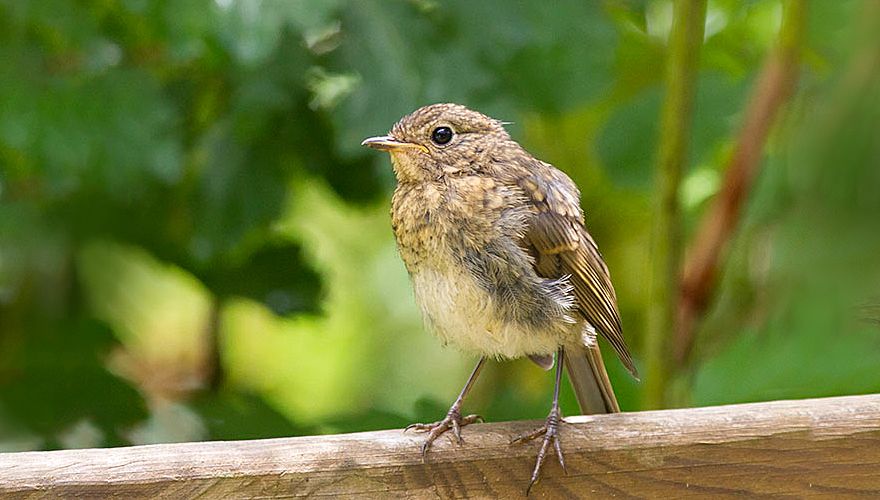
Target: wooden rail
[810, 447]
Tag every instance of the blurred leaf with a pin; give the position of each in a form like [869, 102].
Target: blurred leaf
[628, 141]
[56, 377]
[159, 312]
[529, 58]
[274, 275]
[844, 365]
[65, 137]
[131, 290]
[230, 415]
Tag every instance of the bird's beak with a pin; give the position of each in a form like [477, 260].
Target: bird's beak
[389, 143]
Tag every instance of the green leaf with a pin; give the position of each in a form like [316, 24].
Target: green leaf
[56, 377]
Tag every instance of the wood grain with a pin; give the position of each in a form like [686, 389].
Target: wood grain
[819, 447]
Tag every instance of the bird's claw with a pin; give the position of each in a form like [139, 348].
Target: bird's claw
[550, 431]
[453, 421]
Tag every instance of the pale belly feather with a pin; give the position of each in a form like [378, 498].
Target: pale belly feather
[461, 313]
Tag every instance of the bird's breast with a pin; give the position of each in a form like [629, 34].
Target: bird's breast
[454, 238]
[462, 313]
[419, 225]
[458, 210]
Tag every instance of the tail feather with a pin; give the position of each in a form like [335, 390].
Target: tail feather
[590, 382]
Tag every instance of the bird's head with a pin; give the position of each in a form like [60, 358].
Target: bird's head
[439, 139]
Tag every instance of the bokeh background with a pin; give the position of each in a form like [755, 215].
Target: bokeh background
[194, 246]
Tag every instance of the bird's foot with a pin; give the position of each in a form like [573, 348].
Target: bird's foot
[453, 421]
[550, 431]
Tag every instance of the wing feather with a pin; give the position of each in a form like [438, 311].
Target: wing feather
[561, 246]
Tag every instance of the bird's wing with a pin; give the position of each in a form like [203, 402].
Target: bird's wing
[561, 246]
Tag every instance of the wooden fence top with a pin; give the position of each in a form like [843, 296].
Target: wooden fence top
[825, 446]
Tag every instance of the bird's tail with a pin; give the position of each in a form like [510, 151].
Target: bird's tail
[590, 382]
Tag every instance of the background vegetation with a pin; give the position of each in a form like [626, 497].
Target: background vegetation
[194, 246]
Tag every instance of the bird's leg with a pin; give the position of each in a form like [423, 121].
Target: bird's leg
[550, 429]
[453, 419]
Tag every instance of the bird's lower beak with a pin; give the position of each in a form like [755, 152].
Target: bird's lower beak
[389, 143]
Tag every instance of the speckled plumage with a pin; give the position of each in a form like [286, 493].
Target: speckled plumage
[494, 241]
[500, 261]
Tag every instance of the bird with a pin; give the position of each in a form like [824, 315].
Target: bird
[500, 261]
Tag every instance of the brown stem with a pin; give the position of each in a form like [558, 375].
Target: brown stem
[775, 85]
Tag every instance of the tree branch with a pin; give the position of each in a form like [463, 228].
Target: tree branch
[773, 88]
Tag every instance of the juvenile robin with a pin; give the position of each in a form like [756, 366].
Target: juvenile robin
[500, 261]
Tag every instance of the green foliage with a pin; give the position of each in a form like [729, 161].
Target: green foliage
[194, 246]
[60, 380]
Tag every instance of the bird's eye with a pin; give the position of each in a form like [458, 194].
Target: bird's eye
[441, 135]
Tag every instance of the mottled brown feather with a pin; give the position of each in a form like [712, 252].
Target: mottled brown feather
[561, 246]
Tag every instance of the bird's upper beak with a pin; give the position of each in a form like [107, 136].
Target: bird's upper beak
[389, 143]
